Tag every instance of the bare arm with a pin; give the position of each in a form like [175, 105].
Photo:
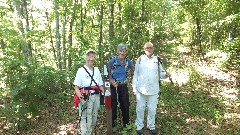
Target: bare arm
[101, 88]
[112, 80]
[77, 91]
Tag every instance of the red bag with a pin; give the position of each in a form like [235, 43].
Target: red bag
[76, 100]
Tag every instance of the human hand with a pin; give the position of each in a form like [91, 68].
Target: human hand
[83, 101]
[134, 92]
[168, 74]
[101, 88]
[114, 83]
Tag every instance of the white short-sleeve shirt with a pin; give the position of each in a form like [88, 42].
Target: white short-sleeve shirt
[83, 79]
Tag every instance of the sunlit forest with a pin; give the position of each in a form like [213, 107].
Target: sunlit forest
[42, 45]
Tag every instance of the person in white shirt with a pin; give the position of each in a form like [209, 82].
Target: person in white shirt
[87, 79]
[148, 71]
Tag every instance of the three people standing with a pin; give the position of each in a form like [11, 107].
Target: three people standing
[147, 72]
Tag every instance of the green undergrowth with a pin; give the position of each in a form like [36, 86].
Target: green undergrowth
[192, 108]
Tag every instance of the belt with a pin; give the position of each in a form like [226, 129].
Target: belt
[122, 82]
[92, 92]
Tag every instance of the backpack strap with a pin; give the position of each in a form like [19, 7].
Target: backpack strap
[115, 64]
[159, 61]
[139, 59]
[92, 79]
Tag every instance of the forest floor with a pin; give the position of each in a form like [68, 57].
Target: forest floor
[203, 100]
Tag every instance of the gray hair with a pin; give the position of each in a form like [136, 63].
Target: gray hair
[121, 46]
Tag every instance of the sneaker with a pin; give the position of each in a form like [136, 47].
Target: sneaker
[139, 132]
[153, 131]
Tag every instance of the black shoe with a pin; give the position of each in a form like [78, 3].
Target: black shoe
[153, 131]
[139, 132]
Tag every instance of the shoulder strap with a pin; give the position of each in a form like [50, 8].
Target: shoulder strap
[139, 59]
[126, 63]
[91, 76]
[115, 64]
[159, 60]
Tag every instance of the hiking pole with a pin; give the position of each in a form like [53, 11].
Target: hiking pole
[170, 78]
[117, 102]
[80, 106]
[118, 105]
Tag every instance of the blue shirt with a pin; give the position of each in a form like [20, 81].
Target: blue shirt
[118, 70]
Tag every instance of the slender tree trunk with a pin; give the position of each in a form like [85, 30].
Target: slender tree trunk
[139, 48]
[101, 24]
[120, 18]
[57, 36]
[143, 11]
[111, 18]
[51, 36]
[163, 13]
[128, 30]
[199, 38]
[2, 46]
[83, 17]
[64, 39]
[70, 35]
[21, 14]
[29, 44]
[70, 41]
[101, 33]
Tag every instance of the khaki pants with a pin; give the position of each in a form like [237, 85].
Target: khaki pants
[89, 115]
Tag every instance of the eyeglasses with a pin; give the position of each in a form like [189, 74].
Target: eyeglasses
[148, 47]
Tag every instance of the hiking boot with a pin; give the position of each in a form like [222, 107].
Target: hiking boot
[153, 131]
[139, 132]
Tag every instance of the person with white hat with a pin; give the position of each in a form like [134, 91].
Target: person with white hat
[88, 86]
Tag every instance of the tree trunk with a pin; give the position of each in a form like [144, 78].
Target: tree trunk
[111, 18]
[51, 39]
[143, 11]
[57, 35]
[199, 38]
[29, 44]
[2, 46]
[70, 35]
[22, 14]
[64, 38]
[120, 18]
[101, 33]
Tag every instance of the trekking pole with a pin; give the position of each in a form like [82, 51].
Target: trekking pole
[170, 78]
[80, 106]
[118, 105]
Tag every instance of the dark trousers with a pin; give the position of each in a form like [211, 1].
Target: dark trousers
[123, 99]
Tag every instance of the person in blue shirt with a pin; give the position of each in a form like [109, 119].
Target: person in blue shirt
[118, 68]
